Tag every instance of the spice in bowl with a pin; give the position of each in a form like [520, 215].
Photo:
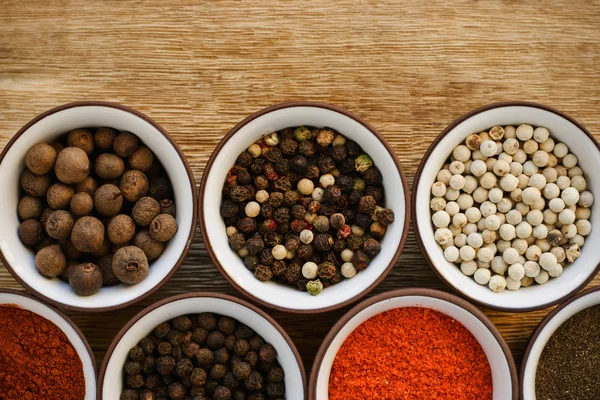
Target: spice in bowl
[203, 356]
[511, 207]
[305, 207]
[569, 366]
[36, 359]
[95, 208]
[410, 353]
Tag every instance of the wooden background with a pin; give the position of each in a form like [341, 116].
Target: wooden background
[197, 68]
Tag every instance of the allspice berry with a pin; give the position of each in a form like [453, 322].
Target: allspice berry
[82, 139]
[163, 227]
[130, 265]
[88, 185]
[160, 188]
[59, 196]
[145, 210]
[104, 138]
[104, 249]
[45, 215]
[31, 232]
[50, 261]
[72, 165]
[69, 250]
[109, 166]
[108, 276]
[59, 225]
[151, 248]
[87, 234]
[35, 185]
[81, 204]
[167, 207]
[120, 229]
[85, 279]
[108, 200]
[40, 159]
[134, 185]
[30, 207]
[141, 159]
[125, 144]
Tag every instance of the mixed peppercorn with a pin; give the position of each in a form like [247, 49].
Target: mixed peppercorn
[204, 356]
[305, 206]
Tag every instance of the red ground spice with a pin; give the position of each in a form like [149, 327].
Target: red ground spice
[411, 353]
[37, 361]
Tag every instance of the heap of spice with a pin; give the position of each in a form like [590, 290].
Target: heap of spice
[569, 367]
[511, 207]
[410, 353]
[95, 208]
[200, 357]
[305, 206]
[37, 361]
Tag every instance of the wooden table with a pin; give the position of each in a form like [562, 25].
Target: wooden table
[409, 68]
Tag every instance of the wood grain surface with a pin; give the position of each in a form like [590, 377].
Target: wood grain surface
[197, 68]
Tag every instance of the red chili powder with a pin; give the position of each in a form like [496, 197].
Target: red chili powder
[411, 353]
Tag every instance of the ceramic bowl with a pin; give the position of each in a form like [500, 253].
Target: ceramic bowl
[545, 330]
[504, 372]
[80, 344]
[110, 382]
[273, 119]
[562, 128]
[19, 260]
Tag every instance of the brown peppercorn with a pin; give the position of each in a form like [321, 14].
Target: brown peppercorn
[267, 353]
[385, 216]
[229, 342]
[31, 232]
[254, 245]
[215, 340]
[87, 234]
[218, 371]
[244, 159]
[82, 139]
[332, 194]
[102, 251]
[198, 377]
[108, 276]
[60, 224]
[263, 273]
[35, 185]
[190, 349]
[184, 368]
[360, 260]
[145, 210]
[323, 242]
[377, 229]
[240, 193]
[167, 207]
[207, 321]
[88, 185]
[85, 279]
[260, 182]
[241, 370]
[120, 229]
[104, 138]
[275, 374]
[30, 207]
[134, 185]
[282, 215]
[132, 367]
[372, 247]
[151, 248]
[326, 270]
[141, 159]
[325, 164]
[244, 225]
[108, 200]
[165, 365]
[59, 196]
[221, 355]
[367, 204]
[109, 166]
[266, 257]
[72, 165]
[40, 159]
[355, 242]
[282, 184]
[50, 261]
[276, 199]
[254, 381]
[125, 144]
[130, 265]
[305, 251]
[204, 357]
[226, 325]
[163, 227]
[81, 204]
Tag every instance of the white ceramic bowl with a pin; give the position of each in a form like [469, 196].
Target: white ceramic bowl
[562, 128]
[502, 365]
[19, 259]
[273, 119]
[80, 344]
[545, 330]
[110, 382]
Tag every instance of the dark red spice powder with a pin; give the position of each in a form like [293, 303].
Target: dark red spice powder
[411, 353]
[37, 360]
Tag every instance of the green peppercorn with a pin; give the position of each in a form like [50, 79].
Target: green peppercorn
[314, 287]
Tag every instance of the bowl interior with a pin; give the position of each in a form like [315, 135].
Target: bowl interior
[277, 294]
[560, 129]
[89, 367]
[21, 258]
[501, 377]
[112, 385]
[589, 300]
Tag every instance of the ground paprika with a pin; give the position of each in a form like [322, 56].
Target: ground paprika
[411, 353]
[37, 361]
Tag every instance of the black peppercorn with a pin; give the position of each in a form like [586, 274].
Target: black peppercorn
[243, 332]
[132, 367]
[241, 370]
[278, 267]
[283, 227]
[371, 247]
[360, 260]
[136, 354]
[162, 330]
[353, 148]
[255, 396]
[373, 176]
[345, 182]
[338, 153]
[267, 210]
[229, 209]
[298, 211]
[207, 321]
[229, 342]
[385, 216]
[346, 165]
[307, 148]
[367, 204]
[177, 353]
[354, 197]
[215, 340]
[272, 238]
[251, 262]
[326, 164]
[276, 199]
[221, 356]
[199, 335]
[198, 377]
[230, 381]
[244, 159]
[323, 241]
[299, 164]
[246, 225]
[282, 184]
[254, 381]
[339, 245]
[258, 165]
[272, 154]
[190, 349]
[312, 172]
[218, 371]
[210, 386]
[204, 357]
[289, 147]
[244, 177]
[275, 390]
[337, 221]
[164, 348]
[321, 223]
[175, 337]
[375, 192]
[377, 229]
[282, 215]
[348, 214]
[165, 364]
[327, 209]
[291, 197]
[255, 245]
[184, 367]
[267, 353]
[292, 243]
[177, 391]
[362, 220]
[240, 193]
[305, 251]
[263, 273]
[260, 182]
[355, 242]
[237, 241]
[226, 325]
[266, 258]
[135, 381]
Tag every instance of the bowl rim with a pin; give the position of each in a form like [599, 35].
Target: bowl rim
[194, 295]
[408, 292]
[314, 104]
[97, 103]
[90, 352]
[417, 180]
[543, 323]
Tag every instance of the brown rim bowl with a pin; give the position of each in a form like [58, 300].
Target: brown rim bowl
[110, 382]
[562, 128]
[19, 260]
[272, 119]
[504, 371]
[546, 328]
[78, 341]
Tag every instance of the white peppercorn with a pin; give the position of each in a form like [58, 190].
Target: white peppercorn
[540, 232]
[569, 231]
[583, 212]
[520, 245]
[480, 194]
[570, 196]
[478, 168]
[530, 146]
[488, 148]
[437, 203]
[586, 199]
[533, 253]
[491, 246]
[317, 194]
[309, 270]
[531, 269]
[243, 252]
[504, 205]
[464, 201]
[231, 230]
[507, 232]
[551, 191]
[555, 271]
[457, 167]
[547, 260]
[584, 227]
[444, 176]
[522, 208]
[514, 217]
[459, 220]
[461, 153]
[451, 194]
[497, 283]
[566, 216]
[539, 204]
[473, 214]
[460, 240]
[326, 180]
[279, 252]
[575, 171]
[252, 209]
[498, 265]
[488, 180]
[578, 182]
[306, 236]
[348, 270]
[475, 240]
[467, 253]
[485, 254]
[578, 239]
[526, 281]
[441, 219]
[556, 205]
[470, 184]
[452, 208]
[550, 174]
[469, 228]
[573, 253]
[455, 231]
[468, 267]
[482, 276]
[543, 244]
[495, 195]
[569, 161]
[357, 230]
[510, 146]
[520, 156]
[509, 183]
[529, 168]
[516, 271]
[254, 150]
[487, 208]
[524, 132]
[489, 163]
[510, 255]
[531, 195]
[510, 132]
[473, 141]
[523, 181]
[535, 217]
[523, 229]
[481, 224]
[517, 195]
[492, 222]
[541, 134]
[512, 284]
[271, 139]
[443, 235]
[542, 277]
[552, 161]
[347, 255]
[451, 253]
